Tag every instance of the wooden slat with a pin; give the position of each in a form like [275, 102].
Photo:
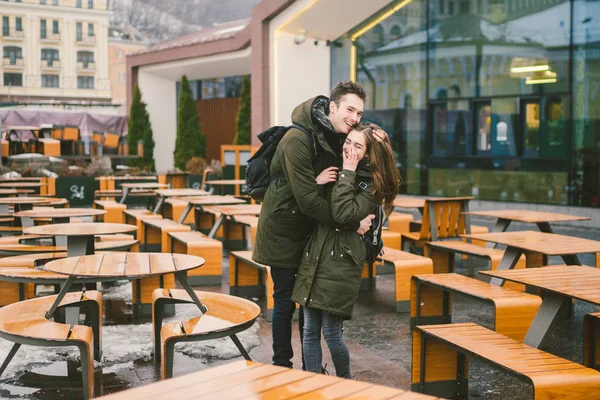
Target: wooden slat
[162, 263]
[138, 264]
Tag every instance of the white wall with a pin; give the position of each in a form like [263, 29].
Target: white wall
[299, 72]
[160, 96]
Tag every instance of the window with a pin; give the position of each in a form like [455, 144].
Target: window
[50, 55]
[13, 79]
[42, 1]
[451, 8]
[5, 26]
[12, 53]
[85, 57]
[90, 29]
[19, 24]
[78, 4]
[49, 80]
[43, 28]
[55, 26]
[441, 8]
[90, 3]
[483, 124]
[85, 82]
[54, 2]
[78, 32]
[464, 7]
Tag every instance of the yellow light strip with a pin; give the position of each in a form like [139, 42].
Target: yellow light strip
[353, 63]
[275, 116]
[531, 68]
[296, 15]
[378, 19]
[538, 81]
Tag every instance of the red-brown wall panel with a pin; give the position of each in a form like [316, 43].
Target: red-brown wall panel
[217, 122]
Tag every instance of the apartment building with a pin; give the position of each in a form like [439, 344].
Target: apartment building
[54, 50]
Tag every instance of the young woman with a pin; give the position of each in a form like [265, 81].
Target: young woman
[329, 275]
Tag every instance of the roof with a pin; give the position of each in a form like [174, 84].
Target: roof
[217, 32]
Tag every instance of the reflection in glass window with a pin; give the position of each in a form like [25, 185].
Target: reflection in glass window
[483, 115]
[532, 127]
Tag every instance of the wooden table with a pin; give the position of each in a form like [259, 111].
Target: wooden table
[127, 187]
[541, 219]
[164, 194]
[58, 215]
[230, 212]
[120, 266]
[535, 243]
[15, 192]
[562, 283]
[253, 380]
[224, 182]
[410, 202]
[21, 185]
[200, 202]
[80, 236]
[22, 203]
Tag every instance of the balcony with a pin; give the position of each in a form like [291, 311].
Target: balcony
[13, 63]
[52, 65]
[86, 40]
[51, 38]
[86, 67]
[13, 34]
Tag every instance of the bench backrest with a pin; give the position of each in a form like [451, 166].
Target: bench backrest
[70, 133]
[443, 218]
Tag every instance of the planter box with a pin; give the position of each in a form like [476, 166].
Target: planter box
[78, 190]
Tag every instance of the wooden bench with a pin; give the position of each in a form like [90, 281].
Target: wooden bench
[248, 221]
[431, 300]
[399, 222]
[107, 194]
[136, 216]
[232, 234]
[156, 233]
[440, 363]
[225, 316]
[442, 254]
[591, 340]
[198, 244]
[25, 323]
[248, 278]
[173, 208]
[443, 218]
[11, 292]
[114, 211]
[404, 266]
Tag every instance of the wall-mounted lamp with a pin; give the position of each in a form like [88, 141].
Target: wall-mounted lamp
[300, 38]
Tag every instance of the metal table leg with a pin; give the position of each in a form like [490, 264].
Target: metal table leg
[63, 291]
[80, 245]
[185, 213]
[216, 226]
[508, 261]
[543, 319]
[124, 196]
[181, 277]
[159, 204]
[544, 227]
[501, 226]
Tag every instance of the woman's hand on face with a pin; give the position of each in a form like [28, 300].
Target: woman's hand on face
[351, 159]
[380, 135]
[327, 175]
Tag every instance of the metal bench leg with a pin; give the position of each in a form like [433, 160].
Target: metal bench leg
[461, 381]
[87, 376]
[157, 325]
[168, 360]
[240, 347]
[9, 357]
[422, 363]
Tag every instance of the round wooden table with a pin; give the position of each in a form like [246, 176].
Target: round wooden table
[22, 203]
[80, 236]
[58, 215]
[120, 265]
[15, 192]
[21, 185]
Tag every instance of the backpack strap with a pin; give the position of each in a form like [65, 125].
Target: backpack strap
[309, 135]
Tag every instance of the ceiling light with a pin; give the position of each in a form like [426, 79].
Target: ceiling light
[536, 81]
[530, 68]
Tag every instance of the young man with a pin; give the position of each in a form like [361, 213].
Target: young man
[293, 203]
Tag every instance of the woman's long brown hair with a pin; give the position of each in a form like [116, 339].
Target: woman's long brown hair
[382, 164]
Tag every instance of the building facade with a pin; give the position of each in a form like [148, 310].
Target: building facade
[54, 50]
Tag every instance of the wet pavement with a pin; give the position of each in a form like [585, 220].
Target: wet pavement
[379, 341]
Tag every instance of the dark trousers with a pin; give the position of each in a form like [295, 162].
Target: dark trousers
[283, 311]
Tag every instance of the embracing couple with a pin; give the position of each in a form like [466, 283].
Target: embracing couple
[312, 219]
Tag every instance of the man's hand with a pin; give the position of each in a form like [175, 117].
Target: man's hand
[380, 135]
[327, 175]
[365, 224]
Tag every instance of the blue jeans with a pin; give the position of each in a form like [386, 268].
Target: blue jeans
[283, 311]
[314, 321]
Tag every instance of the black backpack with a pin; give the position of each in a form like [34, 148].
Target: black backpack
[258, 175]
[372, 238]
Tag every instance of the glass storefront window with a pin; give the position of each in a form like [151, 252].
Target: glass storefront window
[494, 98]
